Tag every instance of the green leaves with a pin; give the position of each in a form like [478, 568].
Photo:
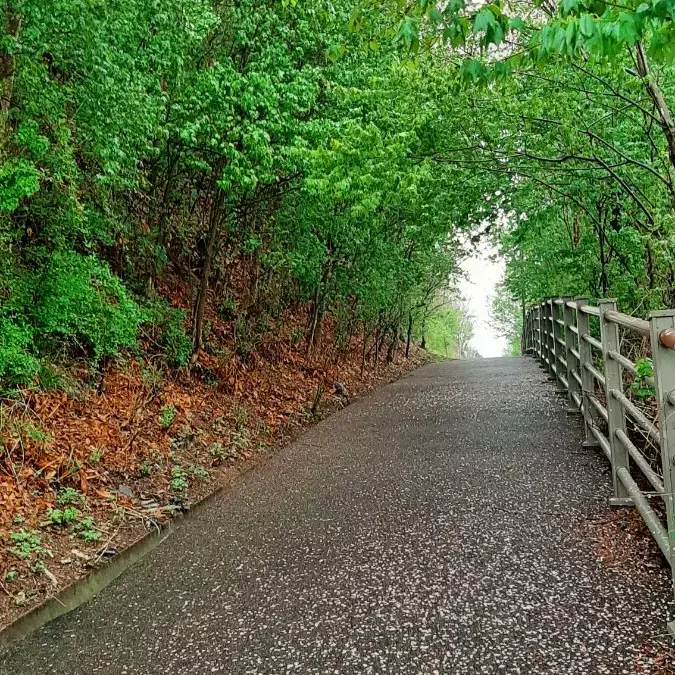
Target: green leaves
[492, 24]
[18, 365]
[587, 25]
[435, 14]
[19, 179]
[642, 387]
[473, 69]
[83, 303]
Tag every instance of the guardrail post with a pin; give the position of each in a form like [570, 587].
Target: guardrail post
[572, 384]
[609, 336]
[550, 340]
[587, 382]
[543, 340]
[557, 346]
[664, 379]
[525, 339]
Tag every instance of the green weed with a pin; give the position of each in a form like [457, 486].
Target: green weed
[27, 543]
[86, 530]
[62, 517]
[166, 416]
[68, 496]
[95, 456]
[640, 386]
[179, 479]
[199, 472]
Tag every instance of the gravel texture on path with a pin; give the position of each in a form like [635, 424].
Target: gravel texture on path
[435, 526]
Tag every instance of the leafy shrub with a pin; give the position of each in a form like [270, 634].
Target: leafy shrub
[26, 543]
[18, 179]
[227, 309]
[86, 529]
[199, 472]
[67, 496]
[62, 517]
[179, 480]
[17, 365]
[641, 386]
[83, 303]
[167, 330]
[53, 377]
[248, 338]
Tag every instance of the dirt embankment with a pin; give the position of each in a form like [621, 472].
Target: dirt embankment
[91, 466]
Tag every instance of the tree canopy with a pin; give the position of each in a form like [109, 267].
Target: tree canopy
[340, 156]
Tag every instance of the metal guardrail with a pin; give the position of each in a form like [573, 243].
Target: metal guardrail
[557, 331]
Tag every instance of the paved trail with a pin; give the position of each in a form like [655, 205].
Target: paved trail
[433, 527]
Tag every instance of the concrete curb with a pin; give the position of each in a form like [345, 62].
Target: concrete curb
[82, 590]
[85, 588]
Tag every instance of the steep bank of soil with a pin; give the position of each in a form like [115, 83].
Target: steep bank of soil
[91, 466]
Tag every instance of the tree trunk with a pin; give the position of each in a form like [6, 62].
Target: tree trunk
[655, 93]
[162, 229]
[318, 308]
[409, 335]
[363, 351]
[7, 68]
[423, 344]
[603, 265]
[209, 254]
[391, 351]
[378, 345]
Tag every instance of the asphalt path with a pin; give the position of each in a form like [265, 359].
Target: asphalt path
[435, 526]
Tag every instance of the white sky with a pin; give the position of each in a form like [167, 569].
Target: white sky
[478, 288]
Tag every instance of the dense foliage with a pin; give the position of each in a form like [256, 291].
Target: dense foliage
[329, 155]
[262, 153]
[568, 123]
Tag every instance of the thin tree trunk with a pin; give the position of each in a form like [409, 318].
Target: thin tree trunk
[7, 69]
[209, 254]
[391, 351]
[409, 335]
[318, 309]
[162, 229]
[378, 344]
[655, 93]
[603, 264]
[363, 351]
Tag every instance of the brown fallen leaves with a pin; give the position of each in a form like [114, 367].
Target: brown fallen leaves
[621, 541]
[142, 444]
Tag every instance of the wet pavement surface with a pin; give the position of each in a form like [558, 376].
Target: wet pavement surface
[432, 527]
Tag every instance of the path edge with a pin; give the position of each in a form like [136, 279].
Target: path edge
[85, 588]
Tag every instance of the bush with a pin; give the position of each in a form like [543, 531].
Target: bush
[167, 330]
[19, 179]
[227, 309]
[80, 301]
[18, 366]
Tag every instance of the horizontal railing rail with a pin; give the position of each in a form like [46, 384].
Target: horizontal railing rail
[586, 364]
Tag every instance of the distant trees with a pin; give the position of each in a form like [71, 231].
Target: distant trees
[448, 328]
[506, 317]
